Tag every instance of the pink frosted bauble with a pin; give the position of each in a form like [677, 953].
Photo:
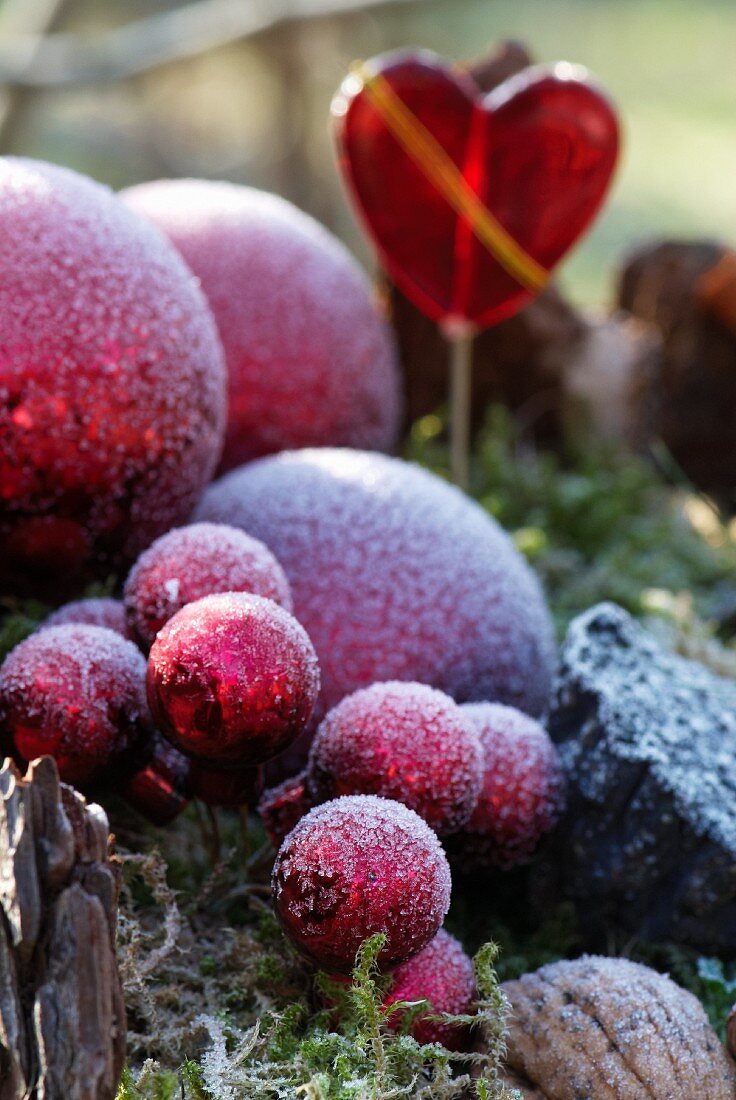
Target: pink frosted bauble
[311, 360]
[395, 575]
[94, 611]
[191, 562]
[354, 867]
[443, 975]
[232, 679]
[112, 381]
[404, 741]
[523, 792]
[76, 693]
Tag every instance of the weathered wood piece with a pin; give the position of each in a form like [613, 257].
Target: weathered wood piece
[62, 1016]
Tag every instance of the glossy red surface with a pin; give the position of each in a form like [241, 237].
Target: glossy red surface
[160, 790]
[232, 679]
[354, 867]
[283, 806]
[229, 788]
[538, 151]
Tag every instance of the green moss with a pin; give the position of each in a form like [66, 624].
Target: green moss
[597, 522]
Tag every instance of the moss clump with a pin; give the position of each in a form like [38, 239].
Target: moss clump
[272, 1043]
[597, 522]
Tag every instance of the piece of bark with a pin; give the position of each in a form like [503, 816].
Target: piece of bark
[62, 1015]
[647, 847]
[610, 1029]
[689, 400]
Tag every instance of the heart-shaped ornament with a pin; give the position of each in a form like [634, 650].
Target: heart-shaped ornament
[472, 199]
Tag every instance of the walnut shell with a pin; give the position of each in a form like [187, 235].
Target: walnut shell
[610, 1029]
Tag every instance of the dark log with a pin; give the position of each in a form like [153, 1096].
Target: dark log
[62, 1016]
[688, 401]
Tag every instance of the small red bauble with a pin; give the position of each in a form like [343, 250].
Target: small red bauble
[395, 575]
[232, 679]
[358, 866]
[523, 793]
[160, 790]
[227, 788]
[191, 562]
[76, 693]
[404, 741]
[472, 199]
[112, 380]
[311, 360]
[282, 807]
[443, 975]
[95, 611]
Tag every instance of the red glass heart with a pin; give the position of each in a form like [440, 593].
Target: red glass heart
[472, 199]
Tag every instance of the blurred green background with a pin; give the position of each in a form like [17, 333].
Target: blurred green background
[255, 110]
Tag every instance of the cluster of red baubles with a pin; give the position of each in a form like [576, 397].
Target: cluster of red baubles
[339, 570]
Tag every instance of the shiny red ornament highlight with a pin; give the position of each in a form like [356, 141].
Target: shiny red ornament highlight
[232, 679]
[354, 867]
[471, 199]
[283, 806]
[400, 740]
[160, 789]
[76, 693]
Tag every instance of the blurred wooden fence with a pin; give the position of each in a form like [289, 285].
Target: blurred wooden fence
[57, 56]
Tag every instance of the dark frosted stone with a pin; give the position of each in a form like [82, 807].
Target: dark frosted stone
[648, 740]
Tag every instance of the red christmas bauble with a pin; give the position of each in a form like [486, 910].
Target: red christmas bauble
[229, 788]
[232, 679]
[310, 358]
[395, 575]
[281, 807]
[94, 611]
[354, 867]
[472, 199]
[160, 789]
[443, 975]
[112, 381]
[404, 741]
[523, 792]
[191, 562]
[76, 693]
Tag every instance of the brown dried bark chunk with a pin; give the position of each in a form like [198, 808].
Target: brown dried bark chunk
[62, 1016]
[611, 1029]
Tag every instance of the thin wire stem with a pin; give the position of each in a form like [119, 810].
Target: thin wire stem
[461, 364]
